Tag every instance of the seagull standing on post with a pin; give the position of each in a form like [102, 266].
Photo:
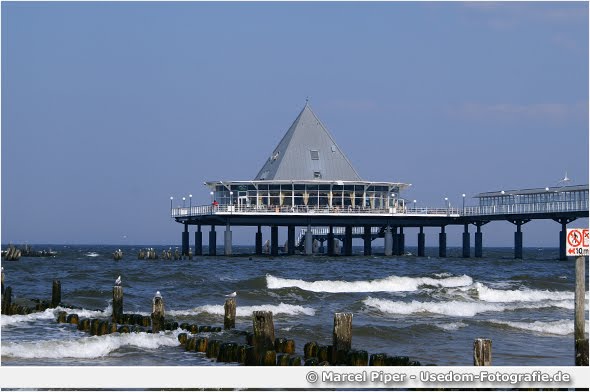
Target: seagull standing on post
[232, 295]
[118, 281]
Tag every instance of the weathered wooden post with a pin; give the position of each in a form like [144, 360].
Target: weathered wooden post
[56, 294]
[117, 301]
[482, 352]
[6, 299]
[264, 336]
[341, 336]
[581, 342]
[157, 313]
[2, 281]
[229, 320]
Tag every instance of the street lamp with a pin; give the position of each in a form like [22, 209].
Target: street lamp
[414, 203]
[447, 202]
[190, 201]
[171, 198]
[183, 199]
[463, 203]
[211, 193]
[231, 198]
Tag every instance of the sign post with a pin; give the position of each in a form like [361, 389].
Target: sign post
[577, 243]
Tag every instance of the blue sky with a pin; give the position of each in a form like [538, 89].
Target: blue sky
[108, 109]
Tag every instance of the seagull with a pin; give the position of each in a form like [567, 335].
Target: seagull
[118, 281]
[158, 295]
[232, 295]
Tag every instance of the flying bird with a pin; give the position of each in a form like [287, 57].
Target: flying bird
[232, 295]
[118, 281]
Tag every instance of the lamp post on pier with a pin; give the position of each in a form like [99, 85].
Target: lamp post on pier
[190, 202]
[211, 193]
[171, 198]
[414, 203]
[463, 203]
[183, 200]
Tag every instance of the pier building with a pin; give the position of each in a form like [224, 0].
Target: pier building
[308, 182]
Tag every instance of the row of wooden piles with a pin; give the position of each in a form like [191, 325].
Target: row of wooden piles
[9, 308]
[151, 254]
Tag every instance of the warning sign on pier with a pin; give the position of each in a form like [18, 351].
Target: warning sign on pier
[577, 242]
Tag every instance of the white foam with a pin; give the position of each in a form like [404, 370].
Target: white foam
[559, 327]
[451, 326]
[87, 347]
[525, 295]
[246, 311]
[455, 308]
[6, 320]
[450, 308]
[92, 254]
[390, 284]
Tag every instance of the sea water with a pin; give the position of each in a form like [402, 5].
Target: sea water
[428, 308]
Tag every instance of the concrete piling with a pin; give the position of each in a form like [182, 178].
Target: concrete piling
[157, 316]
[341, 335]
[117, 303]
[229, 319]
[482, 352]
[56, 294]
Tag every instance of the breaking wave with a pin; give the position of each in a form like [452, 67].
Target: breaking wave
[246, 311]
[526, 295]
[87, 347]
[390, 284]
[559, 327]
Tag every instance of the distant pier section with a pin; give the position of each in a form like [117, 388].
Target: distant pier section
[308, 183]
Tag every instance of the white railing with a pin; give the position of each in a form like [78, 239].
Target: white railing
[228, 209]
[500, 209]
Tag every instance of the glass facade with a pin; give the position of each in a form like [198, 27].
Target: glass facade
[542, 196]
[311, 194]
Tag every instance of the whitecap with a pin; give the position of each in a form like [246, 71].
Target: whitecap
[559, 327]
[87, 347]
[389, 284]
[246, 311]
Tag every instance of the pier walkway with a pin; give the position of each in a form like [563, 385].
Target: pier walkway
[328, 223]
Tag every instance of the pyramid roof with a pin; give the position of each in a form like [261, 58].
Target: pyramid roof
[307, 152]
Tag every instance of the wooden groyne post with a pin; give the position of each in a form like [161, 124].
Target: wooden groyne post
[117, 303]
[157, 313]
[341, 337]
[56, 293]
[482, 352]
[229, 319]
[2, 278]
[263, 339]
[581, 342]
[6, 300]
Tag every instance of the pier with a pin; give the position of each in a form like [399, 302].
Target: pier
[308, 183]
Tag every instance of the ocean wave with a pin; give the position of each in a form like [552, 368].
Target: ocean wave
[488, 294]
[559, 327]
[87, 347]
[6, 320]
[453, 308]
[246, 311]
[450, 326]
[390, 284]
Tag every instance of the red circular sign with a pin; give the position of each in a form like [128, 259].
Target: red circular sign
[574, 238]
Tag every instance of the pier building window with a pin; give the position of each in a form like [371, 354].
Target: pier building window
[315, 155]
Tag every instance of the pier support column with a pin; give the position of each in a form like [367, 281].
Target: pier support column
[367, 240]
[185, 240]
[562, 235]
[394, 241]
[442, 242]
[290, 240]
[227, 241]
[274, 240]
[198, 241]
[348, 240]
[388, 242]
[401, 242]
[212, 241]
[308, 241]
[259, 241]
[421, 242]
[518, 237]
[331, 241]
[478, 241]
[466, 242]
